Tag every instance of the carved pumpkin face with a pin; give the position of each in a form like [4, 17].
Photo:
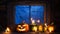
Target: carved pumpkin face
[40, 28]
[51, 28]
[23, 27]
[34, 28]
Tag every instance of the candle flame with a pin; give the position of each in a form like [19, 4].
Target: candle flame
[33, 21]
[51, 28]
[7, 30]
[45, 24]
[38, 21]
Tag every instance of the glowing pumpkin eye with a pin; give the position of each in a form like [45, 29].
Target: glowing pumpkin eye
[19, 25]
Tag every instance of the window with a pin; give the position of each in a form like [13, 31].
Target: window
[25, 12]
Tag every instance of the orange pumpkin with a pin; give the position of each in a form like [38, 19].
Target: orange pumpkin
[40, 28]
[23, 27]
[51, 28]
[34, 28]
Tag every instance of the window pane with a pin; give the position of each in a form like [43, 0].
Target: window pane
[22, 13]
[37, 12]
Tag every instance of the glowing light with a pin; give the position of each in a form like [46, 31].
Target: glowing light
[34, 28]
[52, 23]
[45, 29]
[33, 21]
[21, 29]
[24, 27]
[51, 28]
[19, 25]
[45, 24]
[40, 28]
[7, 30]
[38, 21]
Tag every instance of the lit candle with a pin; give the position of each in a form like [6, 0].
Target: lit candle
[45, 24]
[33, 21]
[38, 21]
[45, 28]
[7, 30]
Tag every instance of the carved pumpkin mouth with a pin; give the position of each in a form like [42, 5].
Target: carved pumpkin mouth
[21, 29]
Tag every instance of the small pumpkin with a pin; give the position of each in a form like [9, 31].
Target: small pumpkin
[51, 28]
[40, 28]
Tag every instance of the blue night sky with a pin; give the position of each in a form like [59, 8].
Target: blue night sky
[22, 13]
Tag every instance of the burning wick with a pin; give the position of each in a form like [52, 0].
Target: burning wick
[7, 30]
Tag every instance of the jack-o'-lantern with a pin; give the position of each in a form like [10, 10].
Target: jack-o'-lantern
[23, 27]
[45, 29]
[51, 29]
[40, 28]
[34, 28]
